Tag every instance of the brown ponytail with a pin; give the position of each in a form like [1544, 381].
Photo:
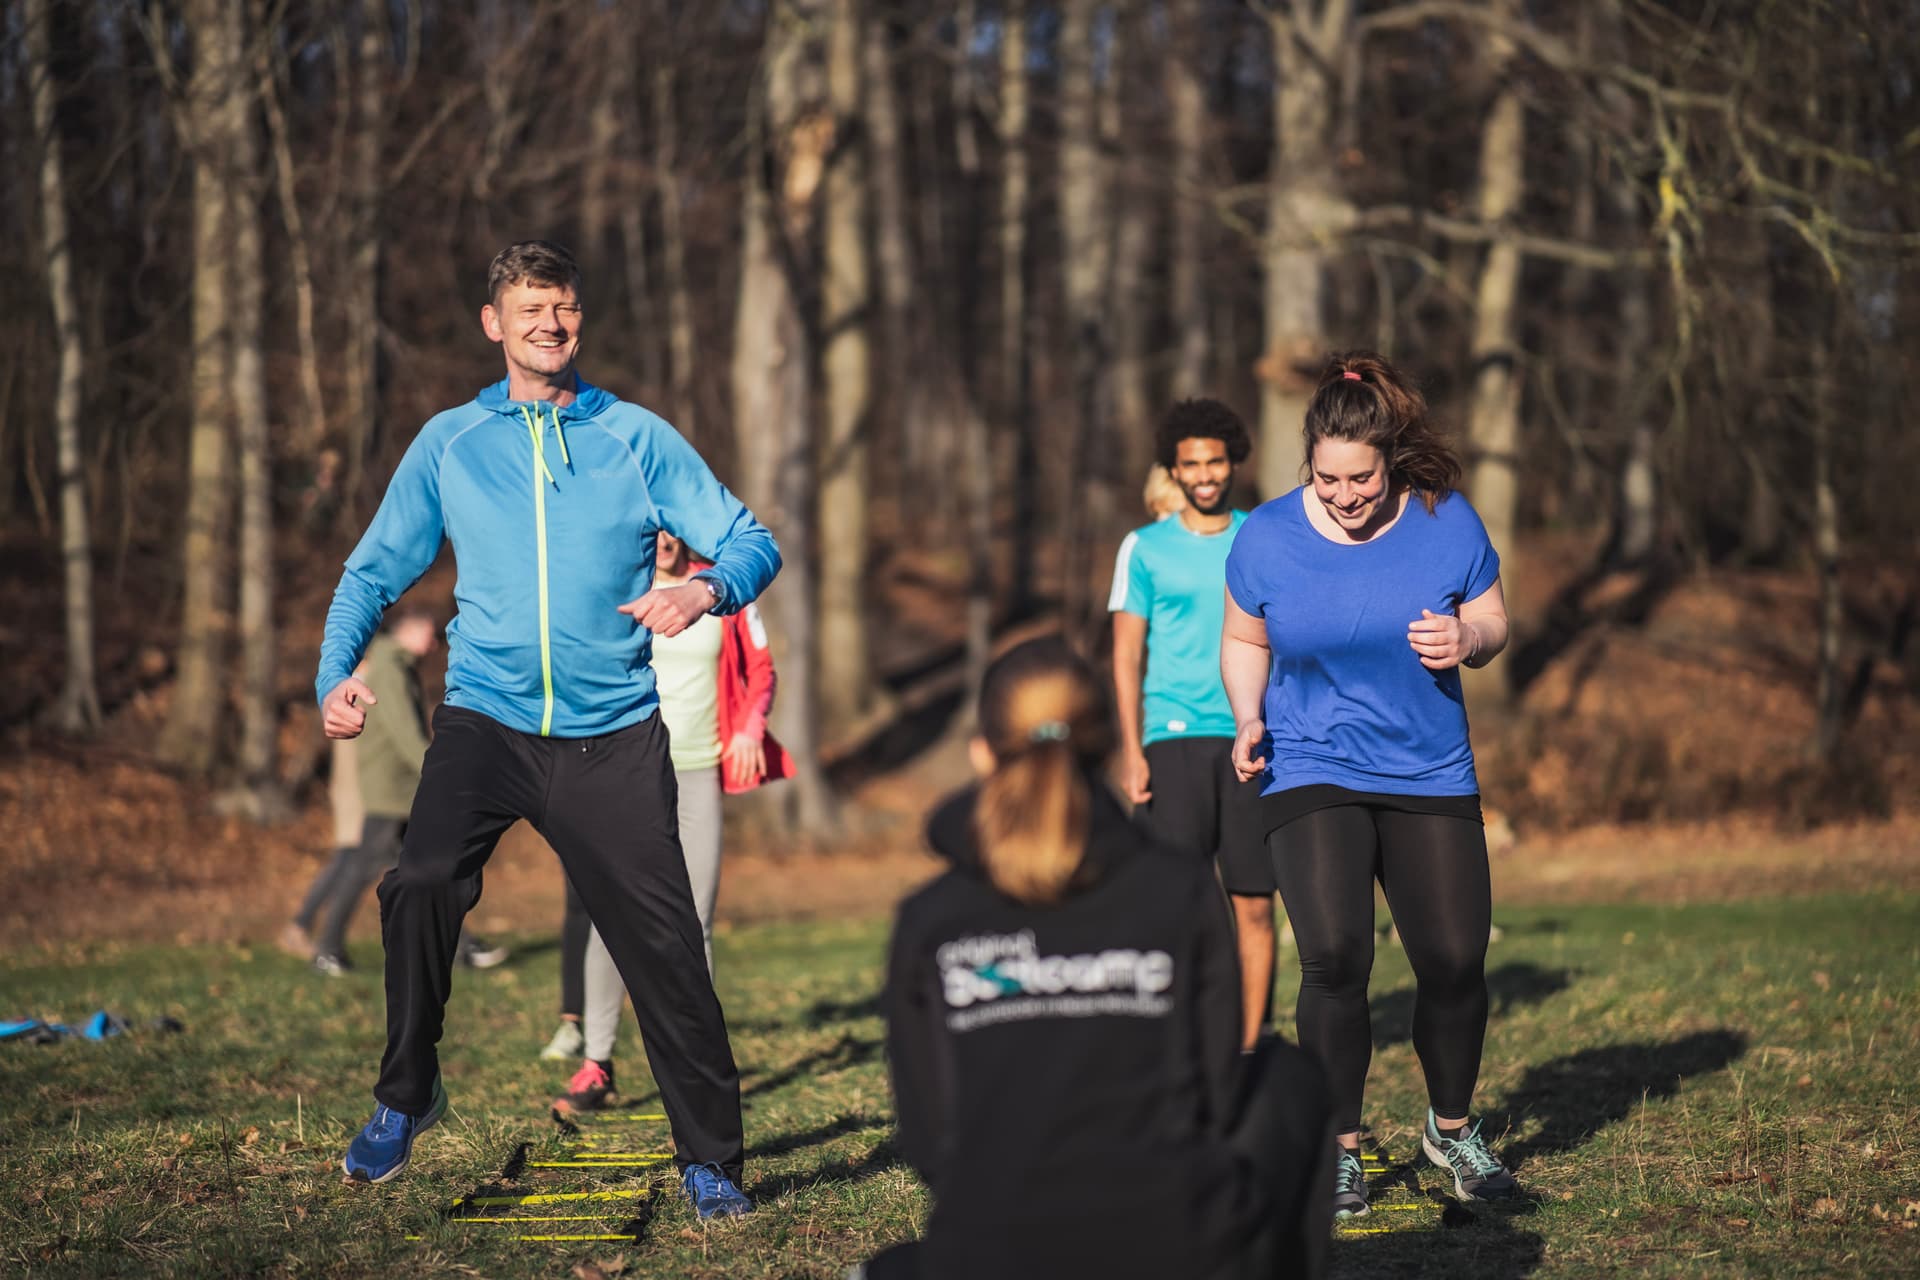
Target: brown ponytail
[1364, 399]
[1045, 720]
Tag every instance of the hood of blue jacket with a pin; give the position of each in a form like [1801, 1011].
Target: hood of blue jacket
[589, 401]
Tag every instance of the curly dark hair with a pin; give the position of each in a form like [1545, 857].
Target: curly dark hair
[1202, 420]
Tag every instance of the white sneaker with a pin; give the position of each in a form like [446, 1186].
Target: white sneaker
[567, 1042]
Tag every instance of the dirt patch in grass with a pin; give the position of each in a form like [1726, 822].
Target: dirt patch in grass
[122, 851]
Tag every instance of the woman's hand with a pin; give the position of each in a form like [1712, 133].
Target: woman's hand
[1442, 640]
[1250, 737]
[744, 760]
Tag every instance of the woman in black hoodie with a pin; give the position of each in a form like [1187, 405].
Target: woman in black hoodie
[1063, 1025]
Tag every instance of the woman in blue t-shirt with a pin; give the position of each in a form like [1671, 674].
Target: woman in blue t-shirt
[1351, 604]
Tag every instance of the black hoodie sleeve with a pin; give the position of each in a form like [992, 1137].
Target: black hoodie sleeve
[1216, 1000]
[916, 1055]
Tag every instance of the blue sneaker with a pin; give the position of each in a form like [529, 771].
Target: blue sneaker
[1477, 1172]
[713, 1193]
[383, 1148]
[1349, 1184]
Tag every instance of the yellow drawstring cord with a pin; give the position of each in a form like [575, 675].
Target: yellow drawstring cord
[539, 454]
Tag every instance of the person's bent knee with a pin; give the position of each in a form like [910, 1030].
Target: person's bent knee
[1343, 966]
[417, 881]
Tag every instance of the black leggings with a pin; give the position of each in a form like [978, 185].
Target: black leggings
[1434, 872]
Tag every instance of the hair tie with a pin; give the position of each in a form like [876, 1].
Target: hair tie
[1348, 373]
[1048, 731]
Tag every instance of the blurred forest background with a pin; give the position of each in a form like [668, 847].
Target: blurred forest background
[917, 277]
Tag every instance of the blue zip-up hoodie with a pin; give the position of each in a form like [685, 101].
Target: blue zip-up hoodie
[552, 515]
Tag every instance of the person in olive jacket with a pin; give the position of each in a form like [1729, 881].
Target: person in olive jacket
[1063, 1027]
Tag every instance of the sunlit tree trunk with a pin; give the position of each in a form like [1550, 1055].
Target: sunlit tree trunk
[259, 707]
[1493, 415]
[1130, 304]
[673, 253]
[77, 709]
[192, 734]
[1015, 368]
[313, 428]
[1309, 39]
[846, 676]
[1086, 259]
[1187, 307]
[360, 285]
[772, 389]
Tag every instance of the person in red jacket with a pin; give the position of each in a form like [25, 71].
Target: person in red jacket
[716, 686]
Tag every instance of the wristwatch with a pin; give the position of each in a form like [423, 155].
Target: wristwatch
[714, 589]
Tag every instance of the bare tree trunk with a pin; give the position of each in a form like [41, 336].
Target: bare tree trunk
[192, 733]
[893, 246]
[360, 284]
[1015, 368]
[1493, 416]
[259, 781]
[1188, 304]
[1302, 209]
[772, 392]
[1128, 304]
[845, 664]
[313, 431]
[1828, 710]
[1086, 258]
[673, 249]
[77, 710]
[596, 171]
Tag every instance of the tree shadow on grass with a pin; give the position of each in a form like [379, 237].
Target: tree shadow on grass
[1482, 1244]
[883, 1157]
[1510, 987]
[847, 1051]
[1465, 1242]
[1576, 1095]
[814, 1137]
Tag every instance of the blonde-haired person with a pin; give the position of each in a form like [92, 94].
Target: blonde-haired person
[1063, 1026]
[1353, 602]
[1162, 494]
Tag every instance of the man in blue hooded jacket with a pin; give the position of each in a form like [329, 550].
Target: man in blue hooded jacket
[550, 491]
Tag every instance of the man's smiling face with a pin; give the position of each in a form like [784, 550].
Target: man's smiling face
[538, 329]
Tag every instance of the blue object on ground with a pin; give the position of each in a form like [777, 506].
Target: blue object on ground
[100, 1026]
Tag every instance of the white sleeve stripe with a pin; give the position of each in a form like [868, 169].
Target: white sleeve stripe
[1122, 565]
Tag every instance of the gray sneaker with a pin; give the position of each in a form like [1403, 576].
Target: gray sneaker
[567, 1042]
[1477, 1172]
[1349, 1185]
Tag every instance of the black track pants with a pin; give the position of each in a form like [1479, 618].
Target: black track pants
[607, 805]
[575, 928]
[1434, 872]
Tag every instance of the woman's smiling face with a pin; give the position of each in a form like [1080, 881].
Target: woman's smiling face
[1350, 480]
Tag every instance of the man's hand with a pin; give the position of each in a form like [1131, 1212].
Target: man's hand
[1442, 640]
[343, 714]
[1250, 737]
[745, 759]
[667, 611]
[1136, 777]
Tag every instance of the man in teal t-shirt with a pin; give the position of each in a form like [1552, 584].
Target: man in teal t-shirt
[1176, 728]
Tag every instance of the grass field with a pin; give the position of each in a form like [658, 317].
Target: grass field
[1685, 1090]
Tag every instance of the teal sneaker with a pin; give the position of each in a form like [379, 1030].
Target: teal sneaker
[1349, 1185]
[384, 1147]
[713, 1193]
[1477, 1172]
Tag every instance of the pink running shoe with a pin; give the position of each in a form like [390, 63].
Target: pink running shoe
[591, 1089]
